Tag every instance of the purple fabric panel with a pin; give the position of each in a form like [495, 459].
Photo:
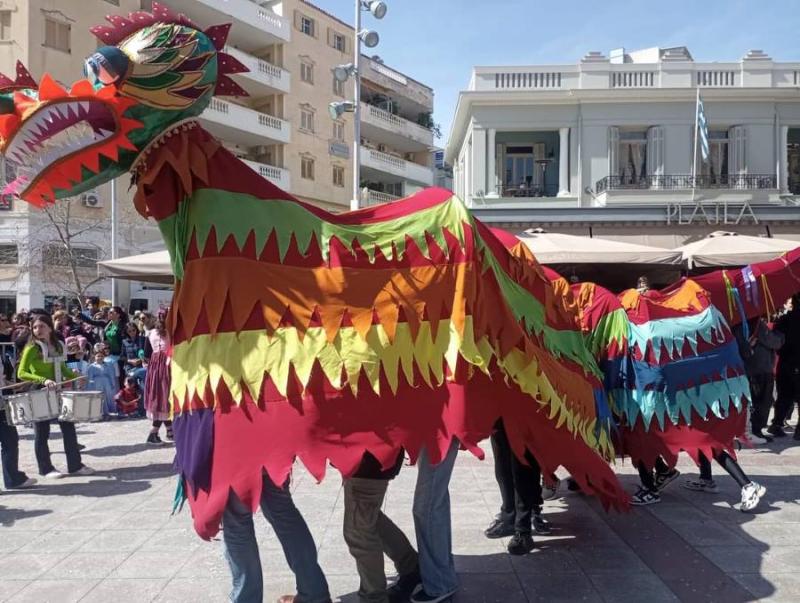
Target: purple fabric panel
[194, 447]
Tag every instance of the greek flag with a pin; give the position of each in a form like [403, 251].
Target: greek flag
[702, 129]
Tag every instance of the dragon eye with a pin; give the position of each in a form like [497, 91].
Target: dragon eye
[106, 66]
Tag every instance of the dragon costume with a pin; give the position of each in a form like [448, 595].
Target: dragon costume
[296, 333]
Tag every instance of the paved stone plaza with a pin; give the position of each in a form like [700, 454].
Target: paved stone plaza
[110, 537]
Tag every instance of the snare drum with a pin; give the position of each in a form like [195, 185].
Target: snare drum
[30, 407]
[81, 406]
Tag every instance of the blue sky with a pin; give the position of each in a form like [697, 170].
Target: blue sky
[438, 41]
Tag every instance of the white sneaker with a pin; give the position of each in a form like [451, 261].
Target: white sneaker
[757, 439]
[85, 470]
[28, 483]
[54, 474]
[751, 495]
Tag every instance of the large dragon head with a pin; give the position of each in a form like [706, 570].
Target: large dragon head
[154, 70]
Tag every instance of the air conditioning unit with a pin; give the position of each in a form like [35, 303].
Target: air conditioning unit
[92, 199]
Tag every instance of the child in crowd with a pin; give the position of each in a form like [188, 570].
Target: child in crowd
[77, 350]
[101, 380]
[127, 398]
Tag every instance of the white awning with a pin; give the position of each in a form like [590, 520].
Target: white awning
[555, 248]
[149, 267]
[724, 248]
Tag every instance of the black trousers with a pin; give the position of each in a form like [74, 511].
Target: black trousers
[727, 463]
[647, 478]
[520, 484]
[761, 388]
[9, 452]
[41, 435]
[788, 383]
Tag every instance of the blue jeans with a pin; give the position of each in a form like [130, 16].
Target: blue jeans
[432, 523]
[140, 374]
[241, 548]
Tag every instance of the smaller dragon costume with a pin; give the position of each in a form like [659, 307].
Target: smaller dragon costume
[296, 333]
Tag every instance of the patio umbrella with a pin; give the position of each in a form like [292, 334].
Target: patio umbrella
[724, 248]
[149, 267]
[555, 248]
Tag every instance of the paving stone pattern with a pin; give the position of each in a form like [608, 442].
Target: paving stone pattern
[110, 537]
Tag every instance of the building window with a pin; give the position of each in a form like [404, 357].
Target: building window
[307, 120]
[338, 175]
[307, 168]
[307, 26]
[307, 72]
[632, 156]
[5, 25]
[9, 254]
[338, 87]
[338, 42]
[58, 255]
[338, 130]
[57, 34]
[716, 166]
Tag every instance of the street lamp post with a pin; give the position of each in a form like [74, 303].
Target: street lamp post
[342, 72]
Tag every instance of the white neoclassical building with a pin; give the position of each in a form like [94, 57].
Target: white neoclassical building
[608, 143]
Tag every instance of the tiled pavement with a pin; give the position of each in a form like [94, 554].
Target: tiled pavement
[110, 537]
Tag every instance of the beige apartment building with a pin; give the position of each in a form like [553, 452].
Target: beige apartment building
[282, 129]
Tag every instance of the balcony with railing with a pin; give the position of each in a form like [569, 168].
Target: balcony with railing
[278, 176]
[243, 125]
[253, 24]
[386, 163]
[263, 77]
[379, 124]
[675, 182]
[371, 197]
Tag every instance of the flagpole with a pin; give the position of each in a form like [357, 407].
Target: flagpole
[696, 126]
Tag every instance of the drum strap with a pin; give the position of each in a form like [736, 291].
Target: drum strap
[56, 360]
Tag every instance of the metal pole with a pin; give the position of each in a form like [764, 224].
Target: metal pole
[114, 238]
[354, 203]
[694, 160]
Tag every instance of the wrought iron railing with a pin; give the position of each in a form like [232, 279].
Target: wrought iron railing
[527, 190]
[687, 181]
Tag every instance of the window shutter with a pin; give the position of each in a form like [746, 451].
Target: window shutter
[655, 151]
[330, 37]
[613, 151]
[298, 24]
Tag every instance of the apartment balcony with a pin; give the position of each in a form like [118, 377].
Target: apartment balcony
[253, 26]
[263, 77]
[377, 197]
[242, 125]
[676, 188]
[382, 126]
[278, 176]
[688, 182]
[386, 167]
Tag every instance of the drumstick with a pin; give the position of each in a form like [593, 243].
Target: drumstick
[30, 383]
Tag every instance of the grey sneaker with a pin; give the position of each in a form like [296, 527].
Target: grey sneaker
[701, 485]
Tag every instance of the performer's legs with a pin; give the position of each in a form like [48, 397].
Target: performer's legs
[9, 453]
[504, 476]
[786, 383]
[727, 462]
[362, 508]
[706, 482]
[646, 477]
[761, 387]
[432, 523]
[241, 551]
[296, 541]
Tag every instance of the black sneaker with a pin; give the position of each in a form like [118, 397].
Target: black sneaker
[154, 439]
[777, 431]
[499, 529]
[645, 497]
[665, 479]
[520, 544]
[540, 524]
[400, 591]
[420, 596]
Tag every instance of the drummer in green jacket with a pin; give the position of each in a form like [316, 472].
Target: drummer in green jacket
[43, 361]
